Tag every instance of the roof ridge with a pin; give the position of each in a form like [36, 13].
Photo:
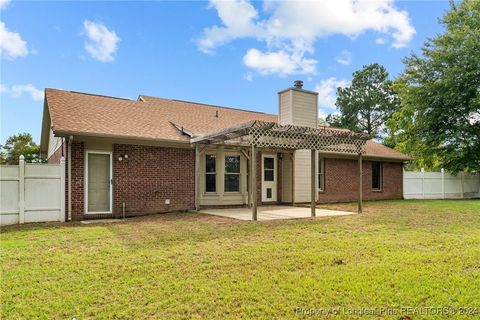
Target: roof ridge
[208, 105]
[91, 94]
[101, 95]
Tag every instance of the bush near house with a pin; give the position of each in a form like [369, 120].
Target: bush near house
[397, 254]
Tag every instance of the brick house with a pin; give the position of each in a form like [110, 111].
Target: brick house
[136, 157]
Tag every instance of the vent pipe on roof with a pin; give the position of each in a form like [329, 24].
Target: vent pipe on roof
[298, 84]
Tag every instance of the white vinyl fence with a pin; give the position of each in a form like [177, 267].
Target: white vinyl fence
[440, 185]
[32, 192]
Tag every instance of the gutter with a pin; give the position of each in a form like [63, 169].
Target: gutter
[59, 133]
[69, 163]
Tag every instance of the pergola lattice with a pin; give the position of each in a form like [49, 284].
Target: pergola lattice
[261, 134]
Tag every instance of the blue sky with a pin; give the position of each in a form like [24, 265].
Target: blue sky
[226, 53]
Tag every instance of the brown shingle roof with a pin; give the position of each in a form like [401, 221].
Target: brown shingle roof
[375, 149]
[87, 114]
[153, 118]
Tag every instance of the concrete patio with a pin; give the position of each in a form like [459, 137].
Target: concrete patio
[273, 213]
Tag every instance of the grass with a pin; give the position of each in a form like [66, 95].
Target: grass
[417, 254]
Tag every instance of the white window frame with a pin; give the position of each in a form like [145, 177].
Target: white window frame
[211, 173]
[232, 154]
[320, 172]
[85, 189]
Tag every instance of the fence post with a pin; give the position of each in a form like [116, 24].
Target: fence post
[62, 190]
[462, 174]
[423, 182]
[443, 183]
[21, 187]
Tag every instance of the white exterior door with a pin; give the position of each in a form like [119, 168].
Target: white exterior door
[98, 182]
[269, 177]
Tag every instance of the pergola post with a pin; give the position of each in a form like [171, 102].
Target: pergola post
[197, 177]
[253, 182]
[360, 183]
[292, 155]
[312, 183]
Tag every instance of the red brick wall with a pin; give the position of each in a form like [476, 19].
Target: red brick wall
[151, 175]
[78, 172]
[341, 181]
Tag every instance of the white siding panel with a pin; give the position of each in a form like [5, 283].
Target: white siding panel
[286, 178]
[305, 112]
[302, 176]
[285, 107]
[53, 144]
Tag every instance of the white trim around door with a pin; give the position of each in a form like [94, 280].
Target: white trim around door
[87, 152]
[269, 177]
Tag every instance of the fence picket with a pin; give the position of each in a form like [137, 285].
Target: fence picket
[33, 192]
[440, 185]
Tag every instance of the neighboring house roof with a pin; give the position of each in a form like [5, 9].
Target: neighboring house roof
[151, 118]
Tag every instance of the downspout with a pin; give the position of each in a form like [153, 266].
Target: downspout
[69, 164]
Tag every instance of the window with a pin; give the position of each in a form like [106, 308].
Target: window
[232, 173]
[376, 176]
[268, 169]
[210, 173]
[321, 174]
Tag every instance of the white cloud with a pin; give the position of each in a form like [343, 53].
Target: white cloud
[327, 94]
[291, 28]
[280, 62]
[4, 4]
[248, 76]
[18, 90]
[345, 57]
[102, 43]
[11, 43]
[238, 21]
[380, 41]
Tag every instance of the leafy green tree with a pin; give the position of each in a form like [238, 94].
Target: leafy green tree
[368, 102]
[17, 145]
[335, 120]
[439, 119]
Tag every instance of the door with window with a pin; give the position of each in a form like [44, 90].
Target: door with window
[269, 178]
[98, 182]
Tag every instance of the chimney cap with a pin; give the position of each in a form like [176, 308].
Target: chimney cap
[298, 84]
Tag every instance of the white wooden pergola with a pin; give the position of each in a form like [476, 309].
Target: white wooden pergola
[260, 134]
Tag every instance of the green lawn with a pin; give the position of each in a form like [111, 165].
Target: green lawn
[417, 254]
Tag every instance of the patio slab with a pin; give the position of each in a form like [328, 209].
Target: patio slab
[273, 213]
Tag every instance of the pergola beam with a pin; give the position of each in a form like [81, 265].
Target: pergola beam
[262, 134]
[273, 135]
